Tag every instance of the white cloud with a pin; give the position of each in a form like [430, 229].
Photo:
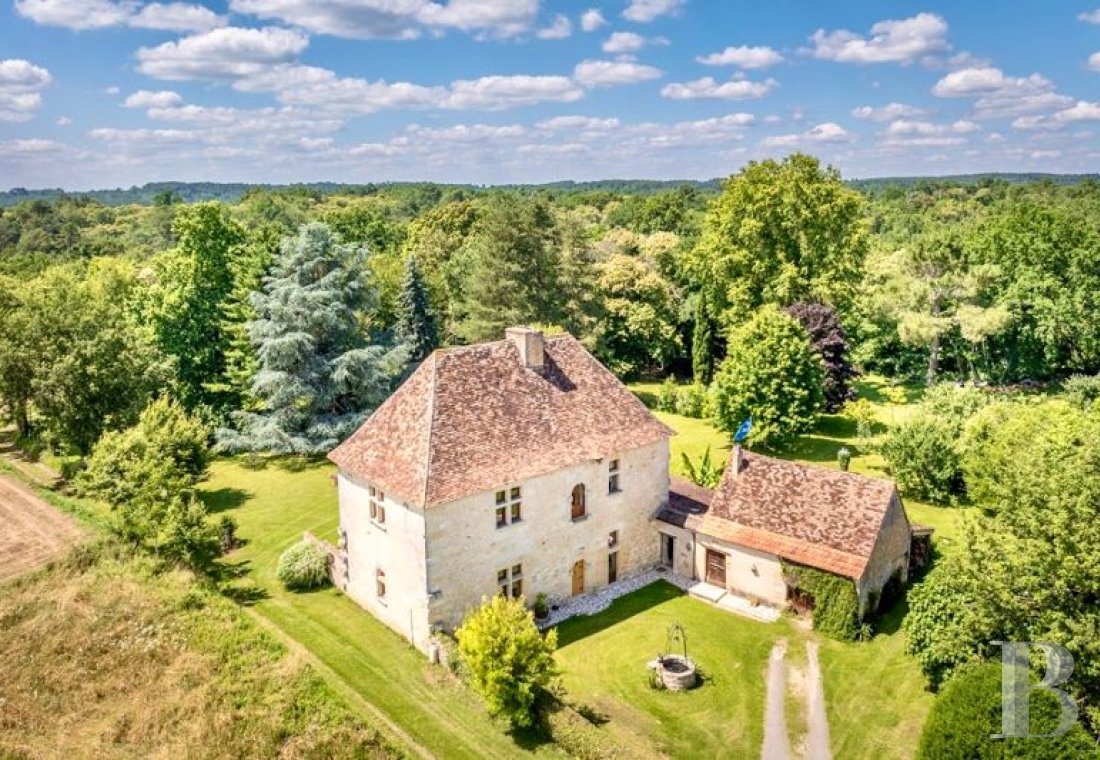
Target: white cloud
[888, 112]
[27, 147]
[827, 132]
[112, 90]
[100, 14]
[623, 42]
[644, 11]
[892, 41]
[578, 124]
[229, 53]
[396, 19]
[1090, 17]
[903, 132]
[1094, 62]
[1081, 111]
[1000, 96]
[707, 87]
[148, 99]
[744, 56]
[21, 85]
[592, 19]
[63, 121]
[559, 30]
[605, 73]
[500, 92]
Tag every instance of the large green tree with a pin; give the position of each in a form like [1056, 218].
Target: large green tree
[319, 373]
[416, 324]
[781, 232]
[637, 326]
[772, 374]
[188, 308]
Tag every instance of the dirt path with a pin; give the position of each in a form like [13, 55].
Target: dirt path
[776, 744]
[817, 737]
[32, 532]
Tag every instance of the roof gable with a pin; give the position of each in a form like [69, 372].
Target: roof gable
[476, 418]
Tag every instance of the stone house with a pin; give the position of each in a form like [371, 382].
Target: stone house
[523, 466]
[518, 466]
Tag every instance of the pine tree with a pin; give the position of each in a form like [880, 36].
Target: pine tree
[318, 375]
[702, 342]
[416, 325]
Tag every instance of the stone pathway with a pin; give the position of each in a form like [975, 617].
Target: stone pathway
[776, 744]
[590, 604]
[817, 737]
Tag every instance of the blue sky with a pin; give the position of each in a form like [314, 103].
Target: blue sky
[99, 93]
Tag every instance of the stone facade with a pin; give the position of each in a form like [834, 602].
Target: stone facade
[440, 562]
[890, 554]
[750, 573]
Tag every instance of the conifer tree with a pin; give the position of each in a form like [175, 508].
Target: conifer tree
[319, 376]
[702, 342]
[416, 325]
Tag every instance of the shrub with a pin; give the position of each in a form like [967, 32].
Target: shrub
[924, 459]
[862, 413]
[541, 608]
[304, 566]
[968, 711]
[691, 400]
[1083, 391]
[707, 473]
[771, 373]
[666, 396]
[836, 603]
[510, 662]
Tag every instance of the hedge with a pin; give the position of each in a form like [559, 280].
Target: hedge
[836, 603]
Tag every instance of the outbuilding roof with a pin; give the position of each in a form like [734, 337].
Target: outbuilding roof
[479, 417]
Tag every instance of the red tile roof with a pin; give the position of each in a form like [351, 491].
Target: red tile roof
[815, 516]
[476, 418]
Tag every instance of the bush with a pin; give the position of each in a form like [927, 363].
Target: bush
[691, 400]
[1083, 391]
[510, 662]
[968, 711]
[541, 608]
[304, 566]
[836, 603]
[862, 413]
[924, 459]
[771, 373]
[666, 396]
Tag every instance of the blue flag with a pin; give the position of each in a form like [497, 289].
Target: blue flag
[743, 431]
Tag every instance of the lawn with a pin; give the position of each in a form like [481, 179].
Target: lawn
[365, 660]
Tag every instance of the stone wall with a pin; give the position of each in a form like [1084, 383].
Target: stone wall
[466, 549]
[749, 573]
[891, 552]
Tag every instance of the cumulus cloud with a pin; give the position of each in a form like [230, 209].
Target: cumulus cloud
[494, 93]
[827, 132]
[707, 87]
[396, 19]
[627, 42]
[592, 73]
[148, 99]
[744, 57]
[1000, 96]
[100, 14]
[892, 41]
[1094, 62]
[21, 85]
[644, 11]
[1090, 17]
[592, 19]
[904, 132]
[229, 53]
[1081, 111]
[578, 124]
[561, 28]
[888, 112]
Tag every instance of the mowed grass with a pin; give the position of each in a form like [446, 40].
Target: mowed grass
[603, 660]
[367, 661]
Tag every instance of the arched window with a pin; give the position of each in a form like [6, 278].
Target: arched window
[578, 501]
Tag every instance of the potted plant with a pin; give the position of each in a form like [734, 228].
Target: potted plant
[541, 608]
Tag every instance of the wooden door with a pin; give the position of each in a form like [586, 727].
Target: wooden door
[578, 577]
[716, 568]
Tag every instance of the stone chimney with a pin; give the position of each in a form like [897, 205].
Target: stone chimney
[530, 345]
[738, 459]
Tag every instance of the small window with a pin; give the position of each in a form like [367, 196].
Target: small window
[517, 589]
[613, 466]
[381, 518]
[372, 492]
[502, 576]
[502, 516]
[508, 505]
[502, 497]
[612, 539]
[517, 512]
[613, 476]
[577, 506]
[510, 581]
[515, 493]
[377, 507]
[517, 570]
[373, 509]
[380, 583]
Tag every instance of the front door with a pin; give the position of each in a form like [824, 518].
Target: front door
[668, 549]
[578, 577]
[716, 568]
[612, 567]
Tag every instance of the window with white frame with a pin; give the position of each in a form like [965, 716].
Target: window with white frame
[377, 505]
[613, 476]
[380, 583]
[509, 506]
[510, 581]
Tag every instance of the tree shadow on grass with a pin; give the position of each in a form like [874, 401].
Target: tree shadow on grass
[625, 607]
[224, 499]
[889, 622]
[813, 448]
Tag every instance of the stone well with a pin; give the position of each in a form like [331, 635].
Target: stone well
[676, 673]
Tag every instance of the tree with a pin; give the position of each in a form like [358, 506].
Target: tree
[147, 475]
[637, 327]
[781, 232]
[511, 269]
[771, 374]
[416, 326]
[188, 307]
[924, 460]
[435, 238]
[828, 339]
[703, 339]
[509, 660]
[319, 376]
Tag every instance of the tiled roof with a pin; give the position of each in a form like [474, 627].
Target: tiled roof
[823, 518]
[476, 418]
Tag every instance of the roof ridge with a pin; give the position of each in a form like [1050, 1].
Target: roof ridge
[431, 427]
